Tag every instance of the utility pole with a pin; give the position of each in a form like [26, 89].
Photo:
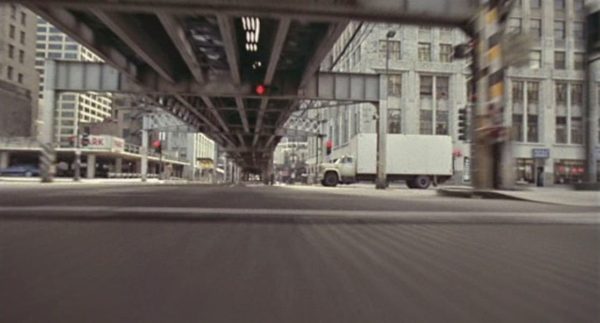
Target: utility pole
[592, 94]
[381, 180]
[77, 170]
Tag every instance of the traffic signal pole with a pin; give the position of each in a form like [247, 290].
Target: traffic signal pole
[77, 166]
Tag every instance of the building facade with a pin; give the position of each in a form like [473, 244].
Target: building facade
[71, 108]
[426, 87]
[18, 77]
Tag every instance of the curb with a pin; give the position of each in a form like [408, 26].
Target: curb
[470, 193]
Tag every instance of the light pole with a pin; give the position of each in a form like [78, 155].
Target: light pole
[381, 181]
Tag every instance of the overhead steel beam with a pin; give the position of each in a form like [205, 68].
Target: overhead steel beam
[323, 49]
[242, 111]
[211, 107]
[441, 12]
[139, 41]
[226, 26]
[216, 130]
[175, 31]
[280, 36]
[227, 29]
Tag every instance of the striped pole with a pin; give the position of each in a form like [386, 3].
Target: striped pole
[47, 157]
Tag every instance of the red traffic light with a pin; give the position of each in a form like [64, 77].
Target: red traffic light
[156, 144]
[260, 89]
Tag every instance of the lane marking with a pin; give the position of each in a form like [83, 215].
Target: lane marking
[291, 215]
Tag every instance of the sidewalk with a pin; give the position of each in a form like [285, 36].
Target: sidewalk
[548, 195]
[84, 181]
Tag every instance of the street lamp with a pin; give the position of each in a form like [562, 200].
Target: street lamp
[381, 181]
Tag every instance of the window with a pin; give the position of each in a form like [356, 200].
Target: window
[11, 32]
[535, 4]
[559, 4]
[561, 93]
[561, 130]
[394, 119]
[559, 30]
[21, 56]
[23, 18]
[11, 51]
[20, 78]
[40, 37]
[395, 84]
[40, 46]
[70, 56]
[560, 60]
[533, 96]
[54, 55]
[535, 59]
[426, 122]
[576, 130]
[426, 104]
[74, 47]
[426, 86]
[424, 52]
[395, 48]
[13, 11]
[445, 53]
[578, 61]
[577, 94]
[535, 27]
[9, 72]
[22, 38]
[514, 25]
[55, 38]
[517, 101]
[40, 55]
[578, 30]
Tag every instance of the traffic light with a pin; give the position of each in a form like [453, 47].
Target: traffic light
[329, 146]
[85, 140]
[157, 145]
[260, 89]
[463, 124]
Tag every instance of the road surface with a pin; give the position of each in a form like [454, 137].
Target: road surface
[191, 253]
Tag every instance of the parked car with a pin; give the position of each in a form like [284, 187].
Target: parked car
[20, 170]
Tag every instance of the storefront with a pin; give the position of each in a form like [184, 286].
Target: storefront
[526, 170]
[568, 171]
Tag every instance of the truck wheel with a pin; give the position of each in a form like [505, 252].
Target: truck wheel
[422, 182]
[331, 179]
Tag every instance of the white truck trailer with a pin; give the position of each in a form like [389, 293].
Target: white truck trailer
[417, 159]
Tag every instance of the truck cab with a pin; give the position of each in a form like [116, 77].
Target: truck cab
[340, 170]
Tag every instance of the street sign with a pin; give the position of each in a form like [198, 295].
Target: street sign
[516, 48]
[540, 153]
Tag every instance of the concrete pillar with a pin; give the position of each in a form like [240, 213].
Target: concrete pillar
[592, 113]
[4, 159]
[119, 165]
[91, 166]
[144, 153]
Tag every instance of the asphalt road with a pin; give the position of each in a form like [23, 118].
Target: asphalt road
[160, 253]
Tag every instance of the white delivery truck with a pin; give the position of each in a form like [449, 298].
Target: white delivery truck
[417, 159]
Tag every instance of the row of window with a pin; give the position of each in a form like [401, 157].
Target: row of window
[424, 51]
[515, 26]
[10, 71]
[57, 46]
[560, 60]
[578, 5]
[11, 53]
[13, 14]
[12, 34]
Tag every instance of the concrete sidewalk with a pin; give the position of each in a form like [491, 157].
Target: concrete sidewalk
[548, 195]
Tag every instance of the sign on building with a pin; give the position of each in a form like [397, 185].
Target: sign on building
[540, 153]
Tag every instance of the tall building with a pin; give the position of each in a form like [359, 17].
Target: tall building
[71, 108]
[426, 87]
[18, 77]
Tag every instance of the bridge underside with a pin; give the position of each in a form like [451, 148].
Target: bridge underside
[205, 57]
